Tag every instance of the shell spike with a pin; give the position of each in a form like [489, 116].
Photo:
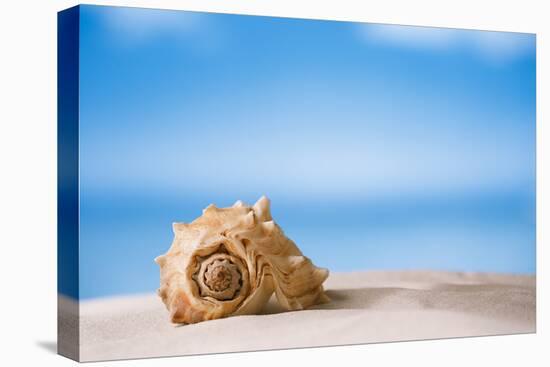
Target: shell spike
[161, 260]
[238, 204]
[209, 208]
[262, 209]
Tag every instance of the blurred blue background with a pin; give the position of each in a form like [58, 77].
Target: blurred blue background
[381, 147]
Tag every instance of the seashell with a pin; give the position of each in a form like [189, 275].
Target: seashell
[229, 261]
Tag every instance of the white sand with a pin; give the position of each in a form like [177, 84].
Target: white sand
[366, 307]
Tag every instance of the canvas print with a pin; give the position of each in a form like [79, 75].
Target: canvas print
[239, 183]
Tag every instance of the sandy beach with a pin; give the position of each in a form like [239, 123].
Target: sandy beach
[365, 307]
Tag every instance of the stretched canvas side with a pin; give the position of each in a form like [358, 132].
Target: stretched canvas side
[67, 190]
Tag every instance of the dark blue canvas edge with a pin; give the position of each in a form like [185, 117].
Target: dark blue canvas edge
[68, 22]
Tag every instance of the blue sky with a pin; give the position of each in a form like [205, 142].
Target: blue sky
[424, 136]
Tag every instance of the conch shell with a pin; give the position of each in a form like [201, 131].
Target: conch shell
[229, 261]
